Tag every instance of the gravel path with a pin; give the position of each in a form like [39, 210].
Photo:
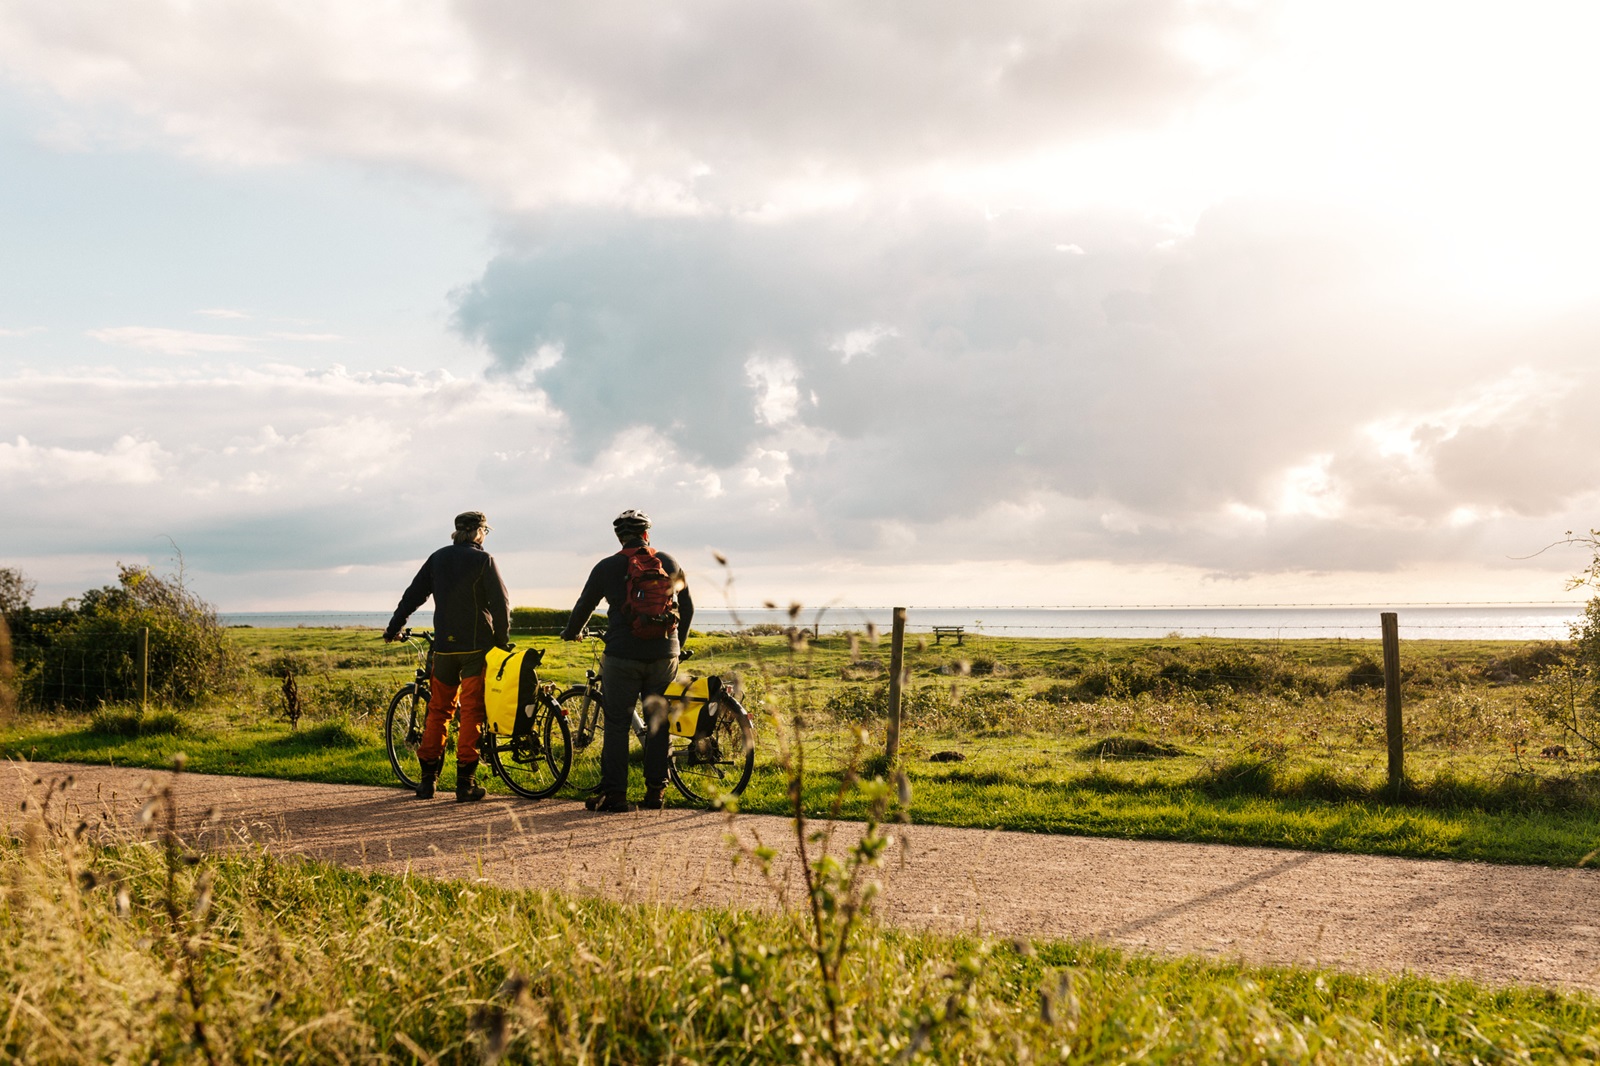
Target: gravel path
[1498, 924]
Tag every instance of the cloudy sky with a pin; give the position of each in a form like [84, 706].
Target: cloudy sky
[1023, 302]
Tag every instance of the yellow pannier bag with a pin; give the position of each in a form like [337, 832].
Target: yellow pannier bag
[511, 684]
[685, 701]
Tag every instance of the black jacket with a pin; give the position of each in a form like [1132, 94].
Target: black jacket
[609, 581]
[470, 611]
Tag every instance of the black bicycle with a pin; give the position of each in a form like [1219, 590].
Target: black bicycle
[533, 762]
[712, 740]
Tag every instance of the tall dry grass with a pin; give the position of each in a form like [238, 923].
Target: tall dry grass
[126, 945]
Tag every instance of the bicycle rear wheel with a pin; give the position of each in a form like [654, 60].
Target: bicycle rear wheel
[535, 765]
[718, 764]
[587, 719]
[402, 732]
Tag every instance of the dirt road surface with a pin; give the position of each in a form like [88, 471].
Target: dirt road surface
[1497, 924]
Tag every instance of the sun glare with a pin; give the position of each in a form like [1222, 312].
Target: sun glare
[1467, 124]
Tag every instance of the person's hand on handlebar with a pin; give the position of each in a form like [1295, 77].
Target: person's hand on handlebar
[685, 653]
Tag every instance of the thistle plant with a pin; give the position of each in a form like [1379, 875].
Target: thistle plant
[839, 878]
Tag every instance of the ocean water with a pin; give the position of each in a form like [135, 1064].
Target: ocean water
[1541, 622]
[1434, 622]
[318, 619]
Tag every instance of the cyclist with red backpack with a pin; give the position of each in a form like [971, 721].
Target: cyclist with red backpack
[648, 608]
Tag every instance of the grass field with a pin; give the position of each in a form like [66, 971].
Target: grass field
[131, 948]
[1226, 741]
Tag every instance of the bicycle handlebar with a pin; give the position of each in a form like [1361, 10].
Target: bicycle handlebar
[584, 634]
[406, 635]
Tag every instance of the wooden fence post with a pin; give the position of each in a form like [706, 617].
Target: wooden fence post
[1393, 725]
[144, 669]
[897, 649]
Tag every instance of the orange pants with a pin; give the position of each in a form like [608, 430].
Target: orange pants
[442, 701]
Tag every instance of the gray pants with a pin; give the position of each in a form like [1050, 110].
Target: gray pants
[624, 682]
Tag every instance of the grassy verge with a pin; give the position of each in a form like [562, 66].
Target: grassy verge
[1240, 742]
[137, 951]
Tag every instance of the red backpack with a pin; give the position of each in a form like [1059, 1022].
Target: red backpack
[652, 595]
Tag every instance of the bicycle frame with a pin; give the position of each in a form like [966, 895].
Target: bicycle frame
[519, 760]
[714, 761]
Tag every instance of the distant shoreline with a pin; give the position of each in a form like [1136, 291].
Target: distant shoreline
[1468, 622]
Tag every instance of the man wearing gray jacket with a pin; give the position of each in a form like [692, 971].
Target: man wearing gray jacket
[641, 657]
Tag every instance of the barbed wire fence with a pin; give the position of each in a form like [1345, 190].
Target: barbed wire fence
[1556, 622]
[47, 674]
[44, 674]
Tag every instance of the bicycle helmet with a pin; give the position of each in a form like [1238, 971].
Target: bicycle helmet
[630, 523]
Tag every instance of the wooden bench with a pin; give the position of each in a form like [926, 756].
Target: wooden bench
[940, 632]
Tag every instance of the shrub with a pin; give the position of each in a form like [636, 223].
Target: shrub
[547, 620]
[86, 655]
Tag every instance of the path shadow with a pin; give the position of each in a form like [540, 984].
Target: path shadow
[1208, 897]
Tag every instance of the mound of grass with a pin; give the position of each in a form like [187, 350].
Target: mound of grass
[114, 721]
[1529, 662]
[1124, 747]
[335, 734]
[862, 670]
[1366, 673]
[1446, 790]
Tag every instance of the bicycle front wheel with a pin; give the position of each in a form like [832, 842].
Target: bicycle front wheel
[587, 719]
[718, 764]
[402, 732]
[536, 765]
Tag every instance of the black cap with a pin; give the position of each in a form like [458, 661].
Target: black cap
[468, 521]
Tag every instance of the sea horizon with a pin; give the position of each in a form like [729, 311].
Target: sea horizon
[1548, 621]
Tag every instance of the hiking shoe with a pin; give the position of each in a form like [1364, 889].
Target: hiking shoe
[430, 775]
[652, 798]
[467, 787]
[611, 803]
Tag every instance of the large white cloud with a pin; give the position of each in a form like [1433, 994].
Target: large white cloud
[1252, 385]
[823, 281]
[314, 475]
[683, 105]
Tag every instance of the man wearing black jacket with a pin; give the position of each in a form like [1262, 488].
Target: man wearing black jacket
[470, 616]
[632, 667]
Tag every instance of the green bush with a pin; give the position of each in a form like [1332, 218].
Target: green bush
[548, 621]
[87, 654]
